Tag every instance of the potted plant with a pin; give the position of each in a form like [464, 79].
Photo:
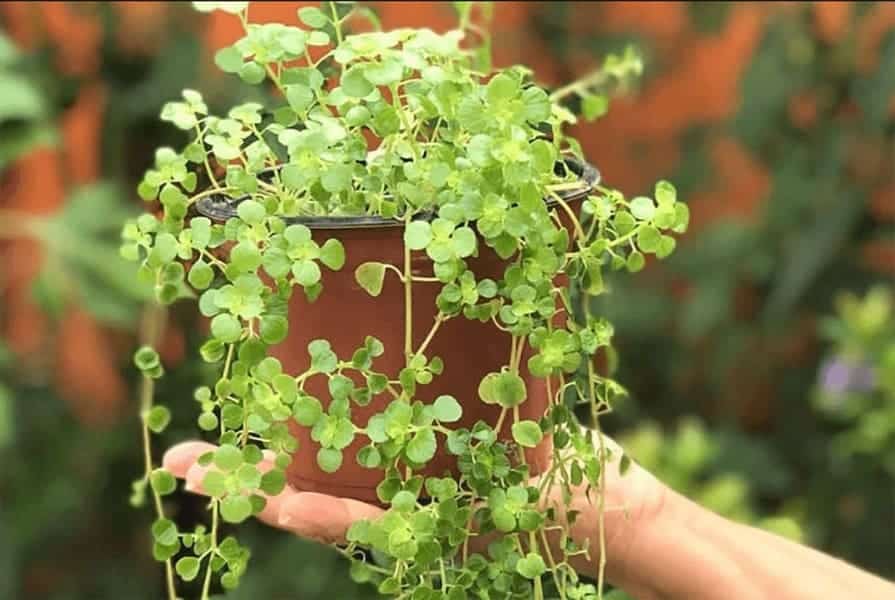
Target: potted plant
[395, 259]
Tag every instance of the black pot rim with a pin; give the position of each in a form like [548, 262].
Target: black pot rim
[219, 207]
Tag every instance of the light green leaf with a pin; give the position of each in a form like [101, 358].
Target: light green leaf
[236, 509]
[446, 409]
[187, 568]
[527, 434]
[370, 276]
[532, 566]
[355, 84]
[329, 459]
[643, 208]
[421, 447]
[417, 235]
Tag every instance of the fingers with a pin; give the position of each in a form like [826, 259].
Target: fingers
[321, 517]
[178, 459]
[317, 516]
[182, 461]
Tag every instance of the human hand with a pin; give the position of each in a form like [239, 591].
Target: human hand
[631, 501]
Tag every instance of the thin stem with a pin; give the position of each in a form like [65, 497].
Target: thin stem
[571, 214]
[153, 320]
[598, 77]
[439, 319]
[206, 585]
[408, 302]
[211, 177]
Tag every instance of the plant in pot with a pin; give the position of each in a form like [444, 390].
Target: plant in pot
[395, 259]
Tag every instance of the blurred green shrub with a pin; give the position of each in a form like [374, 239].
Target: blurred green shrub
[690, 460]
[856, 386]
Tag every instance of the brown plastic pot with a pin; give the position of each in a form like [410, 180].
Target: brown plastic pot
[344, 314]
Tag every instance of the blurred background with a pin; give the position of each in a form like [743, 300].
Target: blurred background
[760, 358]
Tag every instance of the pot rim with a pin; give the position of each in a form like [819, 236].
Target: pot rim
[219, 207]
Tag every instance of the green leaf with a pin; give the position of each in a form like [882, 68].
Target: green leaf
[623, 222]
[527, 434]
[404, 501]
[273, 482]
[503, 519]
[502, 87]
[208, 421]
[274, 329]
[164, 531]
[421, 447]
[215, 484]
[369, 457]
[226, 328]
[200, 275]
[329, 459]
[249, 476]
[332, 254]
[532, 566]
[666, 246]
[594, 106]
[463, 241]
[417, 235]
[251, 212]
[228, 458]
[252, 73]
[187, 568]
[201, 231]
[236, 509]
[506, 389]
[643, 208]
[312, 17]
[648, 238]
[293, 40]
[229, 59]
[245, 257]
[446, 409]
[146, 359]
[233, 8]
[307, 410]
[323, 359]
[158, 418]
[355, 84]
[681, 218]
[665, 193]
[299, 97]
[336, 177]
[635, 262]
[306, 273]
[370, 276]
[162, 482]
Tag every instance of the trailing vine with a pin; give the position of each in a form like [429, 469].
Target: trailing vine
[404, 127]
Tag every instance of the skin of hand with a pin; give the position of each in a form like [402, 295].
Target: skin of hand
[631, 501]
[659, 544]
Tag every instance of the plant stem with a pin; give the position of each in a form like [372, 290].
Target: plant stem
[571, 214]
[206, 585]
[439, 319]
[153, 319]
[408, 302]
[595, 78]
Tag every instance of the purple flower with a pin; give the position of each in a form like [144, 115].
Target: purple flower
[839, 376]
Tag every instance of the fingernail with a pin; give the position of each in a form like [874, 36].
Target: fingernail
[284, 520]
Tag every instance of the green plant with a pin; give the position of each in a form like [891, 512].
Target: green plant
[688, 460]
[856, 384]
[465, 157]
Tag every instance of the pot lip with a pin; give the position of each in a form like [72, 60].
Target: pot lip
[219, 207]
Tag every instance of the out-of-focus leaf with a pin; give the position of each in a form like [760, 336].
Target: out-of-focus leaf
[82, 244]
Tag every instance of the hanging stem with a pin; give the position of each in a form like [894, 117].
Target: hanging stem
[150, 328]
